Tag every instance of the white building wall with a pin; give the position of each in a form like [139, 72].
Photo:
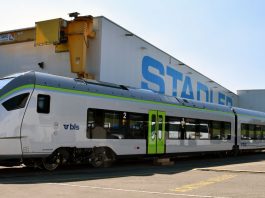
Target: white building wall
[114, 57]
[21, 57]
[252, 99]
[130, 60]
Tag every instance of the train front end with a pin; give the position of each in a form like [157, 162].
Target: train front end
[15, 92]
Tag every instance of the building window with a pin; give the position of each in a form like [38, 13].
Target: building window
[43, 104]
[16, 102]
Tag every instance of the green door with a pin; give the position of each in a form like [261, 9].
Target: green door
[156, 132]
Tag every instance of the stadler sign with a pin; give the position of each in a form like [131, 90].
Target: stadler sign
[157, 77]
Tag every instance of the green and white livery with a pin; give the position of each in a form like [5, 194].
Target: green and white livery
[48, 120]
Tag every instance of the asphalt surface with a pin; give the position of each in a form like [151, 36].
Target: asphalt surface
[206, 177]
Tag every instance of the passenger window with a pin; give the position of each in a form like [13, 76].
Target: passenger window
[43, 104]
[252, 132]
[227, 131]
[16, 102]
[204, 130]
[259, 134]
[107, 124]
[190, 126]
[216, 130]
[173, 126]
[137, 126]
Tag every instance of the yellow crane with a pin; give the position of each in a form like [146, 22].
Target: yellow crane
[72, 36]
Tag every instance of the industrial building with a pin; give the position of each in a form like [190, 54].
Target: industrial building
[99, 49]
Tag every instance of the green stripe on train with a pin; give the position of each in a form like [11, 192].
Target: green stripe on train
[124, 98]
[43, 87]
[30, 86]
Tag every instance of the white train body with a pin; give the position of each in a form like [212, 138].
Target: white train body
[41, 113]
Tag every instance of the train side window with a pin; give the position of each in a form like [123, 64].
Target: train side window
[216, 131]
[16, 102]
[43, 104]
[262, 132]
[252, 132]
[112, 123]
[90, 123]
[227, 131]
[116, 124]
[221, 130]
[190, 126]
[204, 130]
[259, 134]
[95, 124]
[173, 127]
[137, 125]
[244, 131]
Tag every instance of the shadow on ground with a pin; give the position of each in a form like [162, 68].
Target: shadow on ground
[122, 168]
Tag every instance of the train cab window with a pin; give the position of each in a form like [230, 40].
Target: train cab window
[16, 102]
[43, 104]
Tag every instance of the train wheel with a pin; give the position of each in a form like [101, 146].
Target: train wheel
[52, 162]
[102, 157]
[59, 157]
[98, 159]
[49, 164]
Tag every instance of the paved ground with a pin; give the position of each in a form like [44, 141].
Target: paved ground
[206, 177]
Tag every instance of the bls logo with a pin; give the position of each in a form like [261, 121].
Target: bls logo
[71, 127]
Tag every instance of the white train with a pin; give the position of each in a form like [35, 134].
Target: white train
[52, 120]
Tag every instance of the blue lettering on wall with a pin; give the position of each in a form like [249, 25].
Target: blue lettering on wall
[229, 101]
[187, 91]
[221, 98]
[176, 76]
[202, 88]
[147, 63]
[154, 74]
[211, 96]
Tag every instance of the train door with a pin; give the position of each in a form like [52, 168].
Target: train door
[156, 132]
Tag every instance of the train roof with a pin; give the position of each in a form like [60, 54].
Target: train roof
[44, 79]
[248, 112]
[84, 85]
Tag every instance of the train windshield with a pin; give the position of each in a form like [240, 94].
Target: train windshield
[4, 82]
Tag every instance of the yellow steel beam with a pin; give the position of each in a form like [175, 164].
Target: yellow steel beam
[79, 30]
[17, 36]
